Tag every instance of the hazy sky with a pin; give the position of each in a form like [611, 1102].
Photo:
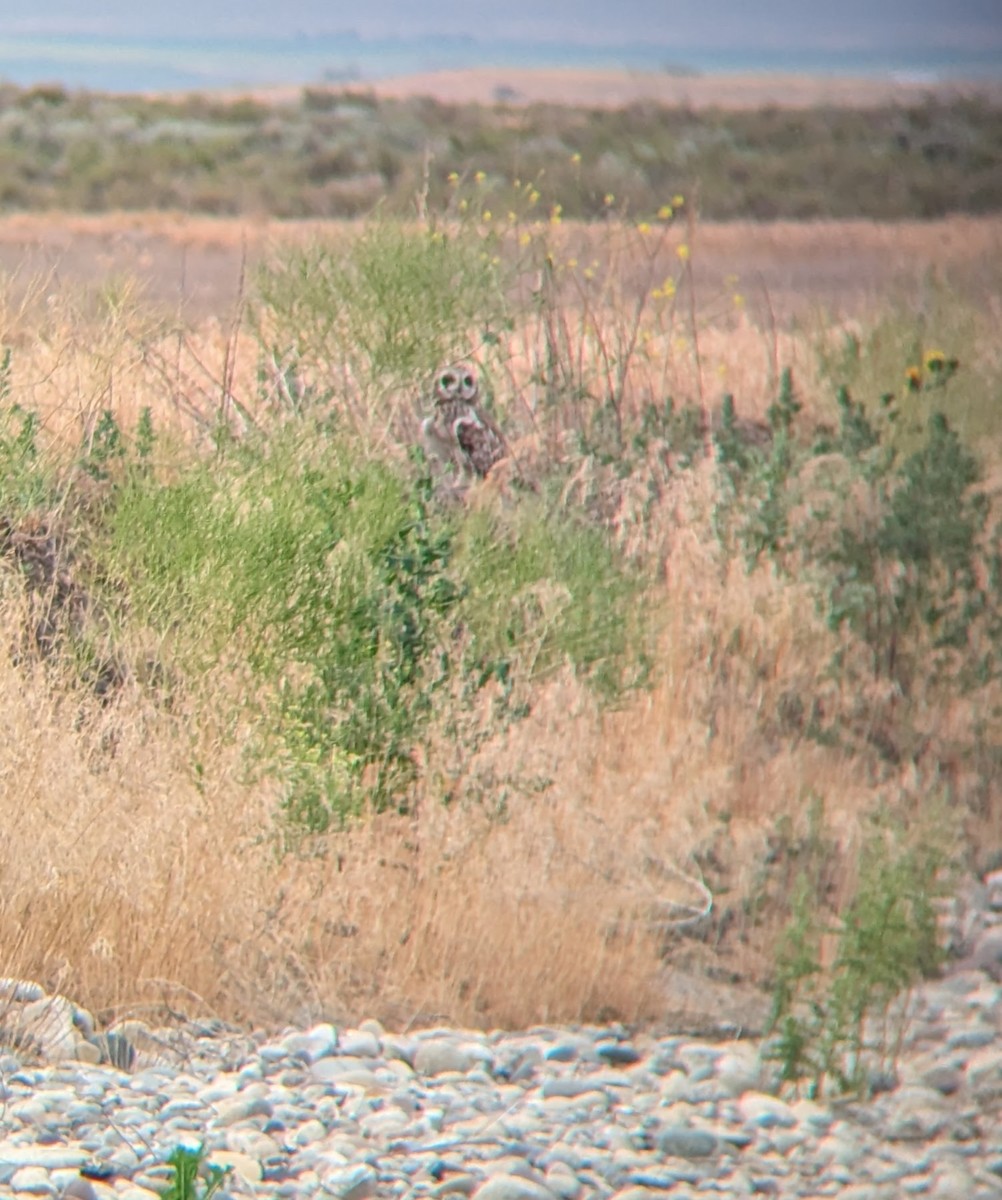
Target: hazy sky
[775, 24]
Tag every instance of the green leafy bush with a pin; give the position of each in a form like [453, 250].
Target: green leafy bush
[383, 308]
[840, 1023]
[353, 599]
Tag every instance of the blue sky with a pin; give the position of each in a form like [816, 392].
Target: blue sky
[845, 24]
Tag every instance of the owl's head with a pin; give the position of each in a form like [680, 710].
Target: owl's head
[456, 383]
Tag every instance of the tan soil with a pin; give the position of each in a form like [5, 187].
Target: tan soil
[614, 89]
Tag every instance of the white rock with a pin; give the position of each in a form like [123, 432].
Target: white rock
[243, 1165]
[35, 1181]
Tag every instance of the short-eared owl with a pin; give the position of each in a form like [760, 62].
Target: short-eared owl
[460, 431]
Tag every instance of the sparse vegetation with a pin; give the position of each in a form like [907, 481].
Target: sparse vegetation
[338, 742]
[188, 1163]
[342, 154]
[839, 1024]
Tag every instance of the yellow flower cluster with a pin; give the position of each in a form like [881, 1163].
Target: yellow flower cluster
[933, 371]
[666, 291]
[667, 211]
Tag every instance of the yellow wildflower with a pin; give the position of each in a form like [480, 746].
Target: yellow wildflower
[480, 176]
[524, 239]
[644, 227]
[608, 198]
[935, 360]
[533, 196]
[739, 300]
[913, 379]
[665, 212]
[575, 158]
[683, 252]
[453, 177]
[678, 200]
[487, 214]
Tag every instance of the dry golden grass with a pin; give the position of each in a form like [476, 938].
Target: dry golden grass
[139, 864]
[197, 264]
[135, 883]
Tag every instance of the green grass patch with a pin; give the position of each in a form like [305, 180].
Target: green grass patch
[355, 602]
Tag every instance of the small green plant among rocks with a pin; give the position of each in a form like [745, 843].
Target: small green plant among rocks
[193, 1179]
[839, 1023]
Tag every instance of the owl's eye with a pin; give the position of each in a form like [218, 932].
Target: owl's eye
[446, 381]
[469, 381]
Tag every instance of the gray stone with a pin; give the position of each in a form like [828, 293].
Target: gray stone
[993, 887]
[684, 1142]
[33, 1181]
[442, 1055]
[20, 991]
[662, 1181]
[462, 1184]
[766, 1112]
[570, 1086]
[915, 1114]
[987, 954]
[620, 1054]
[358, 1044]
[79, 1189]
[944, 1079]
[350, 1183]
[984, 1074]
[562, 1182]
[242, 1108]
[512, 1187]
[971, 1039]
[739, 1071]
[314, 1044]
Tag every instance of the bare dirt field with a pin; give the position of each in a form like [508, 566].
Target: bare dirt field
[611, 89]
[785, 270]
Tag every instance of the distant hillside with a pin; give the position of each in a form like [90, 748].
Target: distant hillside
[118, 61]
[336, 153]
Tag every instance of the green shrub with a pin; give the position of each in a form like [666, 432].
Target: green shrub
[897, 545]
[188, 1163]
[25, 479]
[383, 308]
[355, 602]
[840, 1024]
